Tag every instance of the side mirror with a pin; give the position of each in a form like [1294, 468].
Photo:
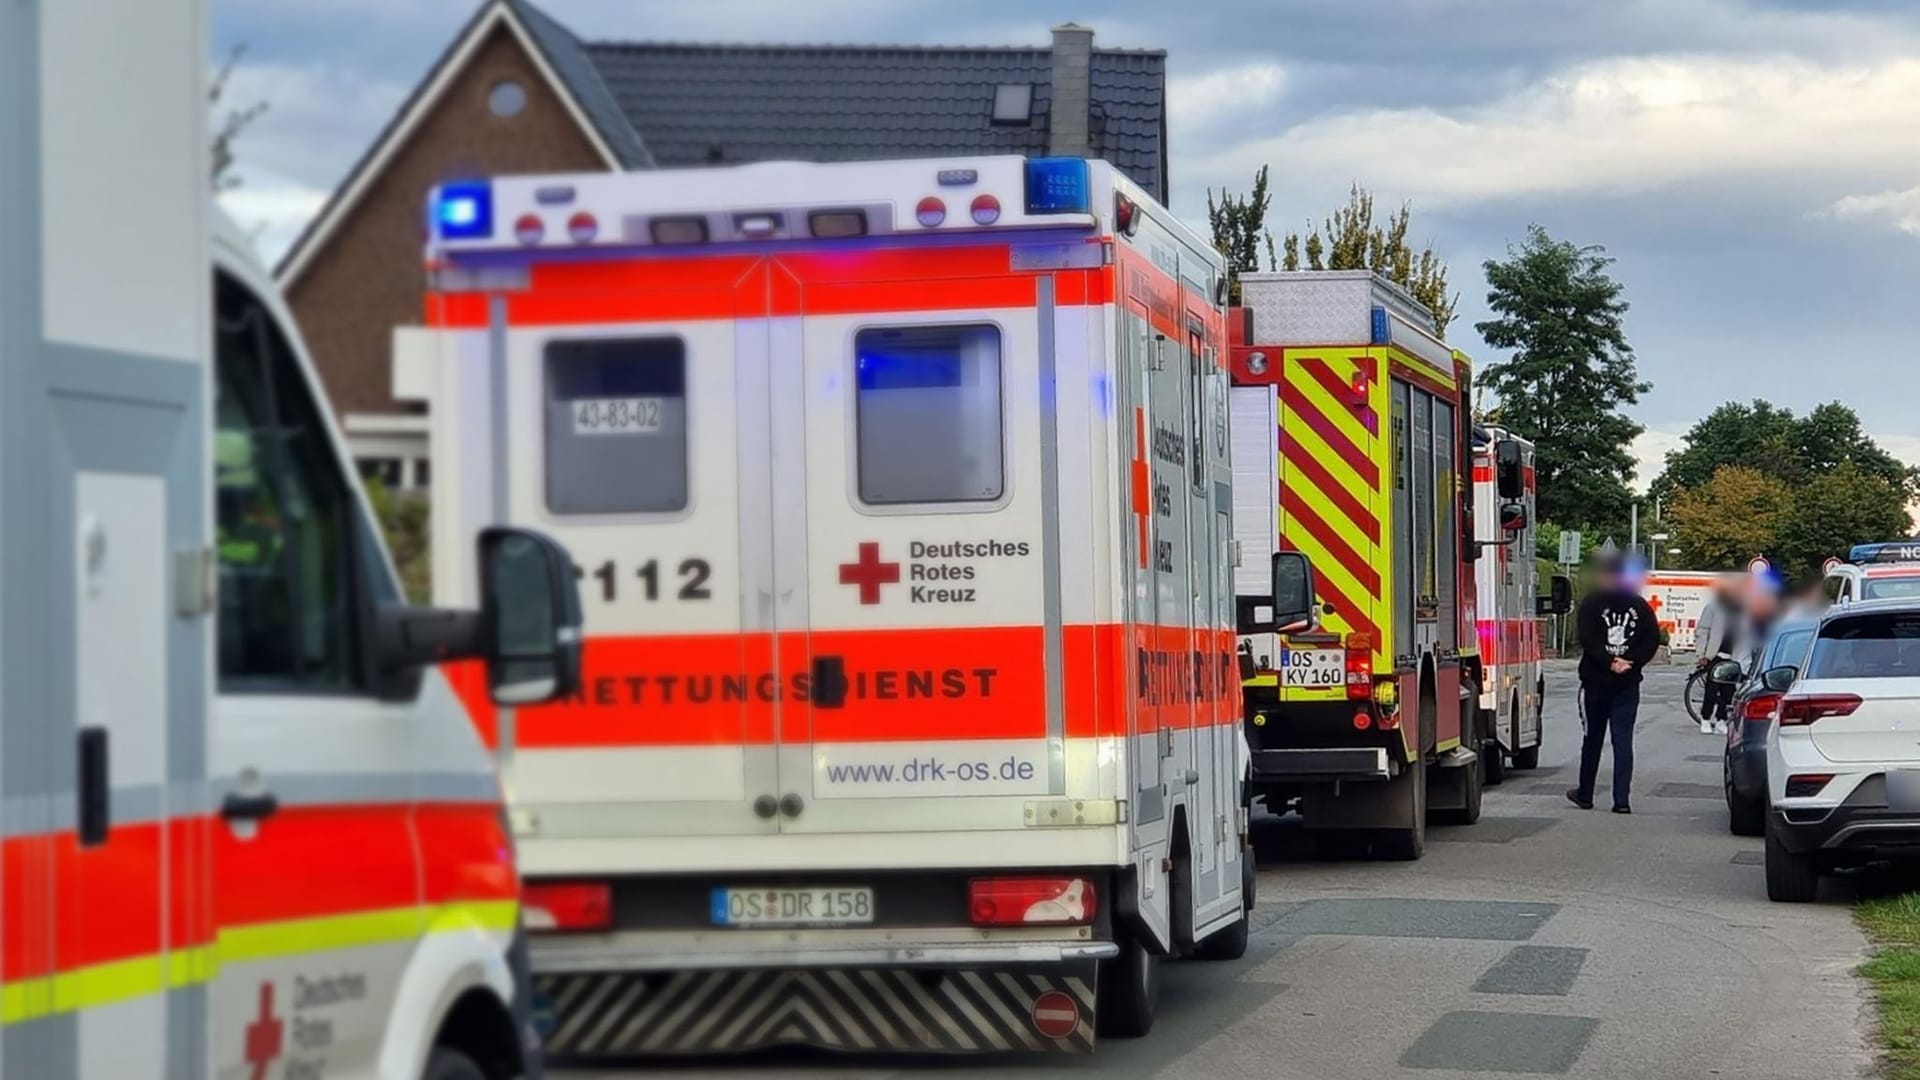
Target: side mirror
[1779, 680]
[1559, 599]
[1513, 516]
[529, 617]
[1725, 672]
[1293, 601]
[1509, 470]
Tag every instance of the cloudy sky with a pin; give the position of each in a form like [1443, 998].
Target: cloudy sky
[1754, 165]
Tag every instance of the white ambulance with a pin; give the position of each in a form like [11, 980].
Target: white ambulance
[247, 831]
[900, 499]
[1512, 677]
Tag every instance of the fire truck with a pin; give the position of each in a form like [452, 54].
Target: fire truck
[900, 497]
[1508, 671]
[249, 829]
[1351, 457]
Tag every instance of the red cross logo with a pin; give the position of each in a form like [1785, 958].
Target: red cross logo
[264, 1035]
[1654, 603]
[869, 573]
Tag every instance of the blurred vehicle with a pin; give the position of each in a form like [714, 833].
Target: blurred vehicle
[250, 829]
[1508, 670]
[900, 494]
[1884, 571]
[1843, 755]
[1756, 695]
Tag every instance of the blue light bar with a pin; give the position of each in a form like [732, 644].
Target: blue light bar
[1057, 185]
[463, 211]
[1895, 551]
[1382, 330]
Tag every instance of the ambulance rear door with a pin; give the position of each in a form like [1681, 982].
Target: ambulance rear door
[636, 394]
[912, 421]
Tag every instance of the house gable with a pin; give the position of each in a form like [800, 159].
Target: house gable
[360, 273]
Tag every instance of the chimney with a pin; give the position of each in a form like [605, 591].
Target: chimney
[1069, 116]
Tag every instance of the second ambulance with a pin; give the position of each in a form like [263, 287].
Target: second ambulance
[900, 497]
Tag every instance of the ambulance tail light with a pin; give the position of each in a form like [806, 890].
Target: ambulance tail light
[1359, 666]
[678, 230]
[464, 211]
[582, 227]
[985, 210]
[1058, 185]
[930, 212]
[566, 906]
[1031, 901]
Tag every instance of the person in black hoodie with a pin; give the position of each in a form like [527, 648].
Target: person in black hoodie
[1618, 635]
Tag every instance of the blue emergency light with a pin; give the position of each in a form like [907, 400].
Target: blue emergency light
[1057, 185]
[464, 211]
[1894, 551]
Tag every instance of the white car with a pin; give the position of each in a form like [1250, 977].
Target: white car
[1843, 756]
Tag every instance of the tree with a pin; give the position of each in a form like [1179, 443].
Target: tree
[1239, 224]
[227, 128]
[1569, 373]
[1350, 240]
[1772, 439]
[1834, 511]
[404, 519]
[1725, 522]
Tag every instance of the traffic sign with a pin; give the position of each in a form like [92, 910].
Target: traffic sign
[1055, 1015]
[1569, 546]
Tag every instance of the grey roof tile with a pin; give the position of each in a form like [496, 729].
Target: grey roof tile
[701, 104]
[571, 64]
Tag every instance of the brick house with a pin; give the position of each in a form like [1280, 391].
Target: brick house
[517, 92]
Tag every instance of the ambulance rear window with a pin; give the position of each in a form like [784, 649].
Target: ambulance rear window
[616, 425]
[929, 416]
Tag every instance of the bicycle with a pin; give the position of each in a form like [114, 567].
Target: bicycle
[1695, 694]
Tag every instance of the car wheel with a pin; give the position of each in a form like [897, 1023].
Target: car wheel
[1231, 943]
[446, 1063]
[1129, 991]
[1792, 878]
[1746, 817]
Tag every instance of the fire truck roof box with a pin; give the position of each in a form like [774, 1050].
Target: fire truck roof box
[1339, 307]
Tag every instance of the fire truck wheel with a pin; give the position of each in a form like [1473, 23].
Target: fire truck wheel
[449, 1064]
[1231, 943]
[1406, 845]
[1129, 991]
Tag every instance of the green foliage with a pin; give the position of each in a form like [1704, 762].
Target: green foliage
[1239, 224]
[1892, 925]
[1726, 521]
[404, 519]
[1546, 542]
[1832, 511]
[1569, 373]
[1792, 449]
[1350, 240]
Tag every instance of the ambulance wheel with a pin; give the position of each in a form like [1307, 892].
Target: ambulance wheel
[1231, 943]
[1408, 844]
[1493, 760]
[1129, 991]
[449, 1064]
[1528, 758]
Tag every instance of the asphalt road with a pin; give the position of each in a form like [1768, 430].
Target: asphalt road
[1544, 940]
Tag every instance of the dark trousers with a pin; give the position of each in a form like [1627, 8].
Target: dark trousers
[1719, 698]
[1604, 709]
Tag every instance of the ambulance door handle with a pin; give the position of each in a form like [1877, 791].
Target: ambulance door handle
[95, 805]
[829, 687]
[238, 807]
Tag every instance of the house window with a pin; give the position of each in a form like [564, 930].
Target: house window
[507, 99]
[1013, 103]
[387, 470]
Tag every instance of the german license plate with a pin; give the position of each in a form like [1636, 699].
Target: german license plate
[784, 906]
[1313, 668]
[1903, 790]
